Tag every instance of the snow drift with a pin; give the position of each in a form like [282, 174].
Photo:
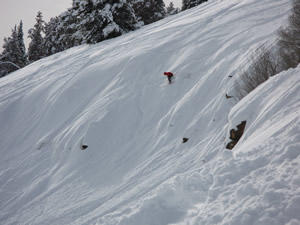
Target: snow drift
[113, 98]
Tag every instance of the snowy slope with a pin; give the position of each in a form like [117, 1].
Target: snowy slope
[113, 98]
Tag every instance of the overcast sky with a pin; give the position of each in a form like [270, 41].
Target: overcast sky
[12, 11]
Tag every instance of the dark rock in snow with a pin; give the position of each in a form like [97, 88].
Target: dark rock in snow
[235, 135]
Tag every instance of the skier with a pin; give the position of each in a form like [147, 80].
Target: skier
[169, 75]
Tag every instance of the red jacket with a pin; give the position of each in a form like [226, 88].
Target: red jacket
[168, 74]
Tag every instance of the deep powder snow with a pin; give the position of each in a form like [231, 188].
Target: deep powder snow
[113, 98]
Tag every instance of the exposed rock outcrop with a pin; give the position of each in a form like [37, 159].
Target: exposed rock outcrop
[235, 135]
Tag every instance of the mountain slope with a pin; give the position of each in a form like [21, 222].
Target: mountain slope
[113, 98]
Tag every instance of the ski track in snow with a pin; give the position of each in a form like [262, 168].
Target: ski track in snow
[113, 97]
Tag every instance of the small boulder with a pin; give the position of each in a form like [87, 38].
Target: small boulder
[184, 140]
[83, 147]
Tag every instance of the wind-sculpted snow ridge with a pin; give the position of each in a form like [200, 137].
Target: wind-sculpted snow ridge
[93, 135]
[257, 183]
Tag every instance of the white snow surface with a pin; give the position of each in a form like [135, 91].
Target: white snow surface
[114, 98]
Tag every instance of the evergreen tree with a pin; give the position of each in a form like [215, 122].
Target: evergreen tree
[36, 49]
[104, 19]
[87, 21]
[148, 11]
[8, 56]
[22, 56]
[51, 40]
[187, 4]
[66, 29]
[171, 10]
[88, 26]
[81, 21]
[13, 56]
[124, 17]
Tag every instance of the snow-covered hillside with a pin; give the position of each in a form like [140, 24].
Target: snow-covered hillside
[113, 98]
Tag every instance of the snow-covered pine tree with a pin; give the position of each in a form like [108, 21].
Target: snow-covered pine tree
[124, 17]
[22, 56]
[12, 46]
[8, 56]
[51, 39]
[89, 21]
[106, 19]
[148, 11]
[187, 4]
[13, 56]
[66, 29]
[81, 20]
[36, 48]
[171, 10]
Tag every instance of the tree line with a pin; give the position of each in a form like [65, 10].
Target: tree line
[86, 22]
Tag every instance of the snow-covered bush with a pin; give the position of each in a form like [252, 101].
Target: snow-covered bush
[289, 39]
[262, 65]
[269, 61]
